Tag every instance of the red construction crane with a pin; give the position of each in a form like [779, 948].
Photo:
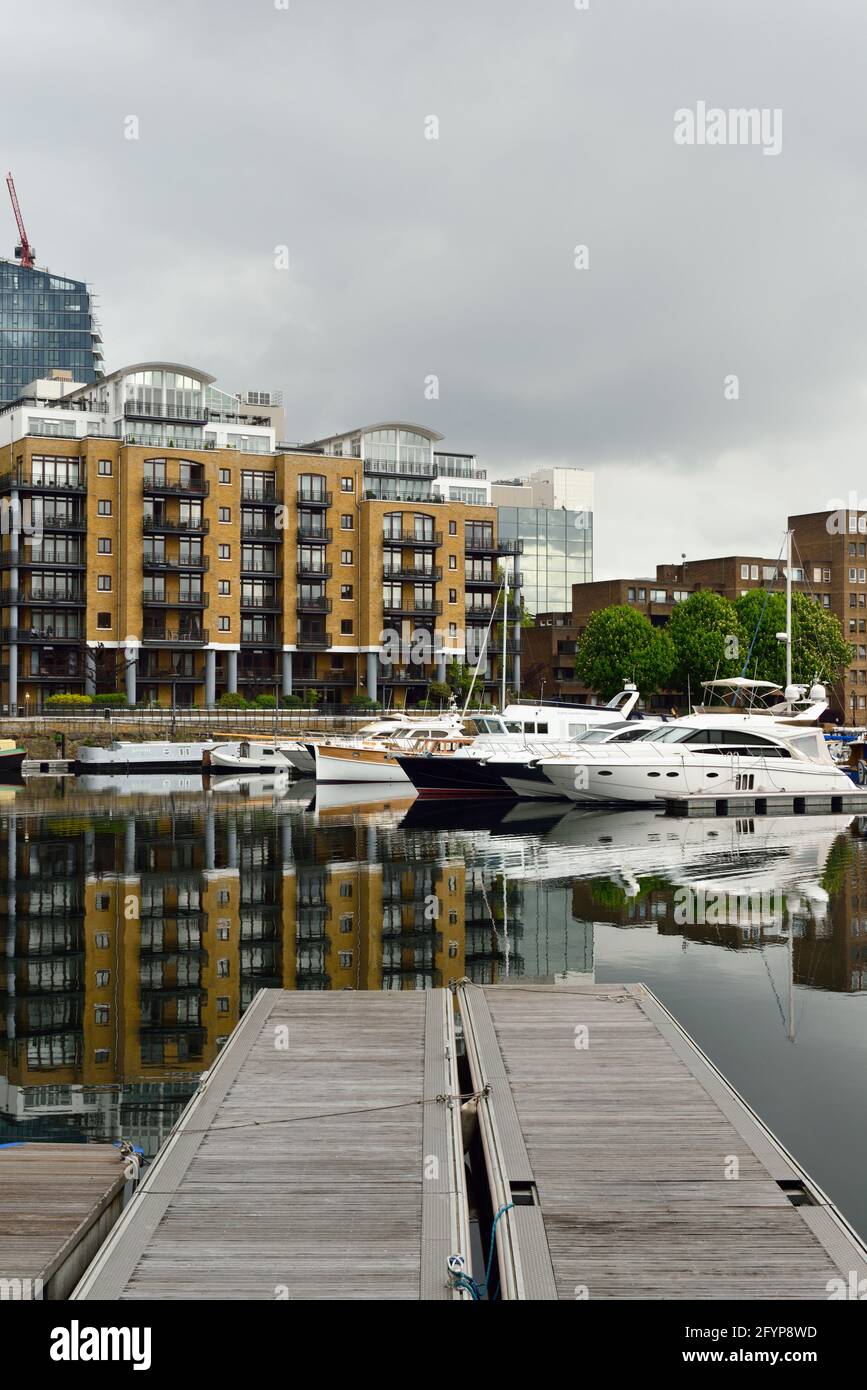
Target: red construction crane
[23, 251]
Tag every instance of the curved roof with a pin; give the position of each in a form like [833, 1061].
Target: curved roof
[181, 368]
[433, 435]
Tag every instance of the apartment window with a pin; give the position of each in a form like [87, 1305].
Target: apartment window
[453, 562]
[224, 514]
[103, 507]
[826, 576]
[101, 941]
[347, 521]
[101, 1014]
[103, 582]
[453, 528]
[745, 571]
[345, 890]
[852, 575]
[103, 902]
[657, 596]
[346, 627]
[225, 475]
[769, 572]
[223, 933]
[453, 595]
[101, 1054]
[102, 978]
[346, 557]
[224, 587]
[630, 595]
[103, 621]
[223, 895]
[345, 959]
[346, 591]
[103, 468]
[642, 595]
[223, 968]
[224, 552]
[222, 1003]
[103, 545]
[223, 624]
[347, 484]
[453, 629]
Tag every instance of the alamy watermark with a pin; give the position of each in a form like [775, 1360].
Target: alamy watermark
[715, 125]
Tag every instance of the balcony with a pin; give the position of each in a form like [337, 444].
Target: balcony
[312, 605]
[269, 638]
[428, 540]
[259, 496]
[259, 531]
[44, 637]
[186, 527]
[260, 571]
[306, 536]
[320, 500]
[176, 414]
[162, 563]
[59, 521]
[315, 569]
[175, 487]
[477, 612]
[28, 558]
[414, 608]
[167, 638]
[165, 676]
[431, 574]
[315, 640]
[494, 582]
[18, 478]
[492, 547]
[41, 596]
[262, 603]
[389, 468]
[179, 601]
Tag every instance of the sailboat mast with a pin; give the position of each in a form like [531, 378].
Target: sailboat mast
[788, 609]
[505, 642]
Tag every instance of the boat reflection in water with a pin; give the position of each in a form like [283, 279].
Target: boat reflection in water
[140, 916]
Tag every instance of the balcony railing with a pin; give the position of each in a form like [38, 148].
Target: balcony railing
[314, 499]
[313, 639]
[270, 638]
[145, 410]
[312, 605]
[432, 573]
[41, 637]
[198, 563]
[261, 571]
[168, 638]
[268, 603]
[20, 478]
[29, 558]
[266, 496]
[310, 537]
[179, 601]
[315, 569]
[263, 531]
[424, 539]
[423, 608]
[44, 596]
[176, 487]
[59, 521]
[493, 547]
[187, 526]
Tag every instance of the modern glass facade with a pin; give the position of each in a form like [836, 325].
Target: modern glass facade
[558, 552]
[46, 321]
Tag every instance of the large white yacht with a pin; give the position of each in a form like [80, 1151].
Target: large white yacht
[703, 756]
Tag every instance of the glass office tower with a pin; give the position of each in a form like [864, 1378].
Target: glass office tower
[558, 552]
[46, 322]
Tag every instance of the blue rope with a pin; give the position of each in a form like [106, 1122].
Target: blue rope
[463, 1281]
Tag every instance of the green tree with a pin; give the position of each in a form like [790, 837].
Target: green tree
[618, 645]
[819, 649]
[708, 639]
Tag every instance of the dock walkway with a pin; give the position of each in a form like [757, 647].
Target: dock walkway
[315, 1162]
[322, 1158]
[57, 1204]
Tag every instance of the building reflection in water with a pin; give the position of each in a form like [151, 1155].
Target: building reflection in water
[138, 929]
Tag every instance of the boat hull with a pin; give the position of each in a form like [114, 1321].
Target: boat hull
[336, 764]
[146, 757]
[644, 783]
[451, 776]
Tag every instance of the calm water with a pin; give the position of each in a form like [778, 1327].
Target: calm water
[141, 916]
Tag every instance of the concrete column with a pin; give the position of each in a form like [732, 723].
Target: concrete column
[286, 843]
[287, 673]
[210, 678]
[11, 851]
[210, 840]
[231, 844]
[89, 671]
[232, 672]
[13, 676]
[129, 847]
[441, 668]
[131, 654]
[371, 674]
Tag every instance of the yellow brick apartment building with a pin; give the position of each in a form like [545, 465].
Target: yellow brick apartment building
[153, 545]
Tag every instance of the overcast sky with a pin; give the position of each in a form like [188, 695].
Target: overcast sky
[261, 126]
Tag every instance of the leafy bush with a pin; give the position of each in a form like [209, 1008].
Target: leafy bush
[69, 701]
[439, 690]
[311, 698]
[363, 702]
[290, 702]
[265, 702]
[229, 701]
[117, 701]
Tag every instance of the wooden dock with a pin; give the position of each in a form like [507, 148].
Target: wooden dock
[322, 1158]
[57, 1204]
[637, 1171]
